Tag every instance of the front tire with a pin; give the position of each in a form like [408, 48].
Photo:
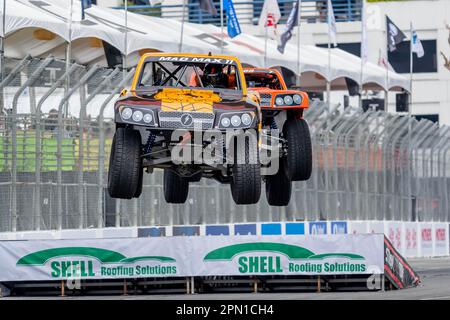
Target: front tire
[298, 160]
[278, 188]
[176, 188]
[125, 164]
[246, 175]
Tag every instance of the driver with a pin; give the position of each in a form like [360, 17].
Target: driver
[213, 76]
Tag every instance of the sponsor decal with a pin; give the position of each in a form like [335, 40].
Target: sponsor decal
[427, 237]
[88, 262]
[317, 228]
[440, 235]
[339, 227]
[395, 236]
[193, 59]
[274, 257]
[411, 238]
[186, 119]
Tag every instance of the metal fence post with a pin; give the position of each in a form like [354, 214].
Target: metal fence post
[345, 138]
[27, 83]
[82, 115]
[433, 146]
[429, 127]
[338, 124]
[101, 146]
[316, 133]
[83, 107]
[65, 99]
[438, 147]
[13, 73]
[38, 142]
[446, 179]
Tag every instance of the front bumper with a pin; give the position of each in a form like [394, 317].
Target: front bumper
[139, 115]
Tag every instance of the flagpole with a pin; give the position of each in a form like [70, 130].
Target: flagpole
[221, 26]
[329, 61]
[411, 70]
[2, 52]
[182, 26]
[363, 52]
[265, 48]
[386, 102]
[298, 41]
[68, 58]
[125, 41]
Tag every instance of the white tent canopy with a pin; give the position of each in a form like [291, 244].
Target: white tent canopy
[25, 21]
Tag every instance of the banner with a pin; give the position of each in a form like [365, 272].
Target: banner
[397, 270]
[440, 239]
[191, 256]
[233, 27]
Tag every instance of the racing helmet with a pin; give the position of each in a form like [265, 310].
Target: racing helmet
[214, 76]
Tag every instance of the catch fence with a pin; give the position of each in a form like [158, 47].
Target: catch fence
[56, 130]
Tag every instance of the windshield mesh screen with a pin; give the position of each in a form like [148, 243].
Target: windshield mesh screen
[189, 75]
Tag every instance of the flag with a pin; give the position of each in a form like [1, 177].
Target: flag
[269, 17]
[84, 5]
[292, 22]
[364, 38]
[382, 61]
[332, 30]
[416, 45]
[233, 27]
[394, 35]
[208, 6]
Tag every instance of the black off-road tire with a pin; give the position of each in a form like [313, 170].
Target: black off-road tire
[246, 175]
[140, 183]
[176, 188]
[298, 160]
[125, 164]
[278, 188]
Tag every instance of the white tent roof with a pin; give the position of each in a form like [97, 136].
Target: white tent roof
[24, 17]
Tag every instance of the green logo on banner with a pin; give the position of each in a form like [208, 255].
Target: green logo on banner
[251, 260]
[68, 262]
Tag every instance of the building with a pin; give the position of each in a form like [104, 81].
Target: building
[431, 79]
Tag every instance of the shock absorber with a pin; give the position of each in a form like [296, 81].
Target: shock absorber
[149, 144]
[273, 124]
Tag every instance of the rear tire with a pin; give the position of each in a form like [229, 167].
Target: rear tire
[176, 188]
[278, 188]
[246, 175]
[140, 182]
[298, 160]
[125, 164]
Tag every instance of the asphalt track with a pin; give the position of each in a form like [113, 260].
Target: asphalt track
[434, 273]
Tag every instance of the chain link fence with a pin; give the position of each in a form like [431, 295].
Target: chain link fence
[56, 130]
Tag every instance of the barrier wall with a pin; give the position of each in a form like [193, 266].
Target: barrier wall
[411, 239]
[359, 254]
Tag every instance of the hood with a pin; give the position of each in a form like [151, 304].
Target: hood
[189, 100]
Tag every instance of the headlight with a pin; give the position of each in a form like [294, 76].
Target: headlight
[288, 100]
[225, 122]
[279, 101]
[297, 99]
[126, 113]
[148, 118]
[137, 116]
[236, 121]
[246, 119]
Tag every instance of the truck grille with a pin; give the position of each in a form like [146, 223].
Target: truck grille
[173, 120]
[266, 99]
